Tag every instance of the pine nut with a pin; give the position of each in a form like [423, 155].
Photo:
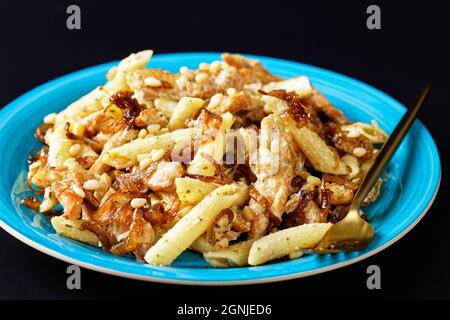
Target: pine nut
[359, 152]
[201, 77]
[152, 82]
[231, 91]
[78, 191]
[153, 128]
[215, 100]
[142, 133]
[182, 81]
[353, 134]
[91, 185]
[215, 67]
[74, 149]
[69, 161]
[184, 70]
[203, 66]
[138, 202]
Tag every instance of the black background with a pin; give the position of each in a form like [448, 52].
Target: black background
[411, 49]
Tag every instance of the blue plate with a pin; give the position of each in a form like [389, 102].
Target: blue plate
[412, 177]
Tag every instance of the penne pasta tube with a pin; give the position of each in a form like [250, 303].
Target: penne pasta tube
[125, 155]
[192, 191]
[117, 139]
[58, 147]
[133, 62]
[321, 156]
[195, 223]
[71, 229]
[301, 85]
[91, 102]
[235, 255]
[186, 108]
[281, 243]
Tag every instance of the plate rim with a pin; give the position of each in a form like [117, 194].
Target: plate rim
[55, 254]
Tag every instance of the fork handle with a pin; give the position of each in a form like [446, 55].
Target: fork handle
[388, 149]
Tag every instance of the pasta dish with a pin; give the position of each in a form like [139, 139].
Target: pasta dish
[227, 159]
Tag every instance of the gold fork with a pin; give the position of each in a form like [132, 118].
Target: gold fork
[353, 232]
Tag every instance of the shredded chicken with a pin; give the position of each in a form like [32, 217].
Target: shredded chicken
[164, 175]
[274, 170]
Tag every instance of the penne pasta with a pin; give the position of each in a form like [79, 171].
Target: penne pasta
[125, 155]
[192, 191]
[281, 243]
[235, 255]
[133, 62]
[58, 147]
[300, 85]
[72, 229]
[195, 223]
[186, 108]
[93, 101]
[321, 156]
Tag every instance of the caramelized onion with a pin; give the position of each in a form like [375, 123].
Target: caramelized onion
[41, 155]
[297, 181]
[129, 105]
[296, 108]
[112, 207]
[41, 131]
[158, 217]
[98, 230]
[244, 171]
[33, 189]
[132, 240]
[31, 202]
[136, 181]
[297, 217]
[69, 134]
[255, 195]
[346, 144]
